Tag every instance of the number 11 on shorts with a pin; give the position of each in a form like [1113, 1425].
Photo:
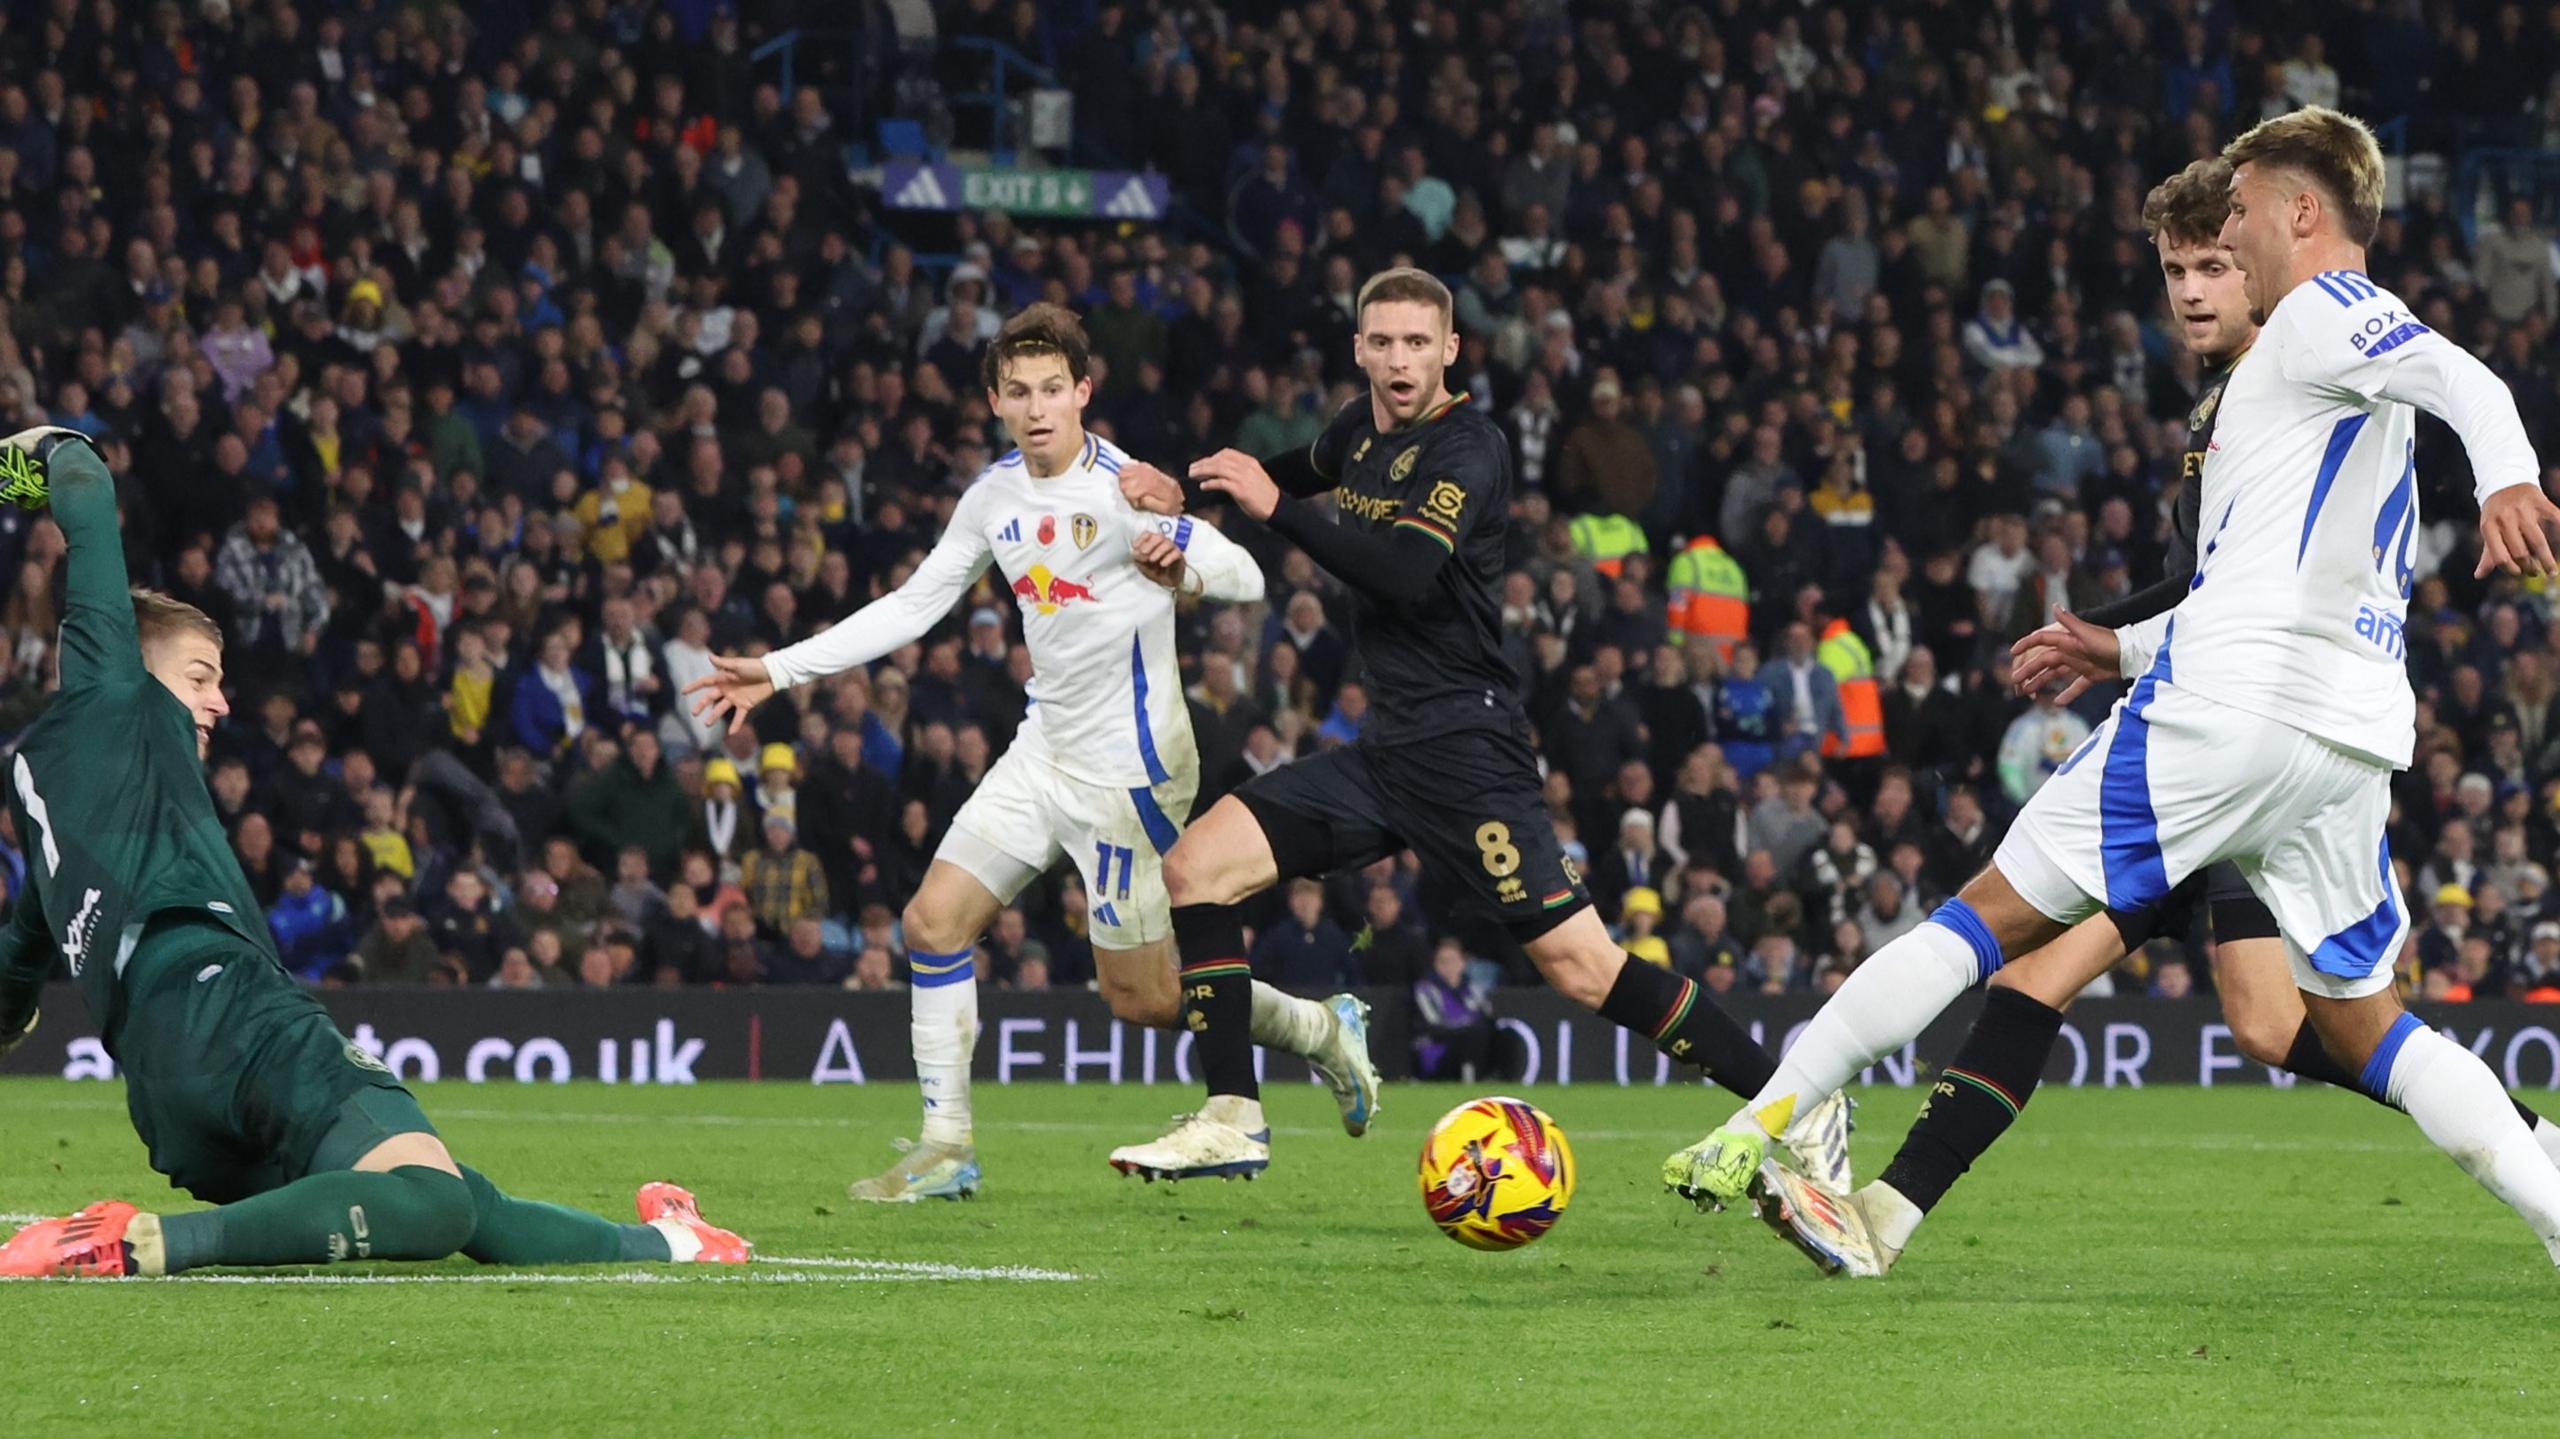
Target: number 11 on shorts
[1104, 854]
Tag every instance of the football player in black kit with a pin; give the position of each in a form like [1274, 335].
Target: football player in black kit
[1979, 1095]
[1421, 485]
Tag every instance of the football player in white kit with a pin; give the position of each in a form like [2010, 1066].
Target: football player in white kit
[2271, 706]
[1102, 771]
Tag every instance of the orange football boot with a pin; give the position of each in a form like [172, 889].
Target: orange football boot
[89, 1244]
[662, 1204]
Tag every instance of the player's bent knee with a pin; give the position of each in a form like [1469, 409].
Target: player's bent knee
[435, 1220]
[1579, 960]
[2259, 1040]
[1154, 1006]
[1194, 875]
[926, 931]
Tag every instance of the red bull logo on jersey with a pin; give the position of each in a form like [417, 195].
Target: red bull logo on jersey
[1048, 593]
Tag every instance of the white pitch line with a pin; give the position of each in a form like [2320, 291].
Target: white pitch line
[927, 1270]
[776, 1270]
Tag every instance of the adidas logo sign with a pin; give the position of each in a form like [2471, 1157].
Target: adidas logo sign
[1133, 202]
[924, 192]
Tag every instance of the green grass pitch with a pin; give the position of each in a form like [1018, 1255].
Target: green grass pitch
[2128, 1262]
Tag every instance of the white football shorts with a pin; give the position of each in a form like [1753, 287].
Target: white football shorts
[2173, 782]
[1028, 812]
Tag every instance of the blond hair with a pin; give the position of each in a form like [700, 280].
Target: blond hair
[2331, 149]
[157, 617]
[2189, 207]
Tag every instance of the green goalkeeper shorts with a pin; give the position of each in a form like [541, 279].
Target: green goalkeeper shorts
[237, 1079]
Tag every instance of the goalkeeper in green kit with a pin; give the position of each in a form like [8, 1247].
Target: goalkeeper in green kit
[245, 1092]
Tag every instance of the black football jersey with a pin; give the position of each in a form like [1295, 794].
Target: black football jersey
[1437, 665]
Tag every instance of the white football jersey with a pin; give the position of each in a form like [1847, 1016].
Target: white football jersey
[2310, 515]
[1106, 696]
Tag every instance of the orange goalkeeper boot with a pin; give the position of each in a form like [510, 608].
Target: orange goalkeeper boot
[691, 1239]
[89, 1244]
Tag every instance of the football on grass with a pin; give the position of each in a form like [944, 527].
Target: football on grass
[1496, 1173]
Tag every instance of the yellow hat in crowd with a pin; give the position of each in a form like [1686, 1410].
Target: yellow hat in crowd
[778, 757]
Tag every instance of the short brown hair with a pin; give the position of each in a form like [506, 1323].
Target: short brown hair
[1406, 285]
[2333, 150]
[2189, 207]
[157, 617]
[1040, 329]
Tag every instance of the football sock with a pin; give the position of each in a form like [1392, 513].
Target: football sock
[1884, 1005]
[2310, 1059]
[942, 1026]
[526, 1231]
[412, 1212]
[2460, 1107]
[1891, 1218]
[1683, 1021]
[1977, 1097]
[1289, 1024]
[1217, 996]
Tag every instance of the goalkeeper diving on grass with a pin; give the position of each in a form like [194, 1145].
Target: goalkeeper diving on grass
[245, 1092]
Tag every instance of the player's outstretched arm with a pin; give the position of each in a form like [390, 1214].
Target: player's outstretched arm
[2404, 361]
[99, 641]
[2516, 518]
[1147, 488]
[897, 618]
[1397, 566]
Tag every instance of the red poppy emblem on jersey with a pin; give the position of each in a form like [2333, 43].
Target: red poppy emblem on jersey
[1048, 529]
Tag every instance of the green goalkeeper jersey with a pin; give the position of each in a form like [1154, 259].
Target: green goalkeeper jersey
[107, 789]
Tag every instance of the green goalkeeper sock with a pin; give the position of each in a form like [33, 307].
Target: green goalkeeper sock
[412, 1212]
[526, 1231]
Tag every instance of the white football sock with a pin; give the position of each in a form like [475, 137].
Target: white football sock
[943, 1027]
[2462, 1110]
[2547, 1134]
[1284, 1022]
[1236, 1112]
[1893, 1218]
[683, 1245]
[1883, 1006]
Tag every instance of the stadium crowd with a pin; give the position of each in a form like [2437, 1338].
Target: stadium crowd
[485, 369]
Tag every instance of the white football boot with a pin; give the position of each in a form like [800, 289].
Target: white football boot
[1830, 1228]
[926, 1169]
[1211, 1144]
[1818, 1141]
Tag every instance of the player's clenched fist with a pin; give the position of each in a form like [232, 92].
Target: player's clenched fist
[2515, 531]
[734, 687]
[1158, 558]
[1240, 477]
